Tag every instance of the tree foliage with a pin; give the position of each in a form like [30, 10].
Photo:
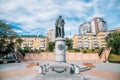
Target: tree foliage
[51, 46]
[113, 42]
[19, 42]
[69, 44]
[7, 36]
[76, 50]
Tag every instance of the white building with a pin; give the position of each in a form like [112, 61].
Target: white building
[85, 28]
[95, 26]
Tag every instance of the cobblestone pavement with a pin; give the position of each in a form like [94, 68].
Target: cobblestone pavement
[19, 71]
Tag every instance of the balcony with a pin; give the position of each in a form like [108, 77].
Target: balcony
[102, 40]
[79, 37]
[79, 40]
[30, 45]
[86, 40]
[86, 44]
[102, 37]
[42, 45]
[95, 44]
[42, 40]
[95, 37]
[24, 45]
[104, 43]
[85, 37]
[79, 45]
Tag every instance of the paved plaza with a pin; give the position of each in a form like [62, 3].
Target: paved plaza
[22, 71]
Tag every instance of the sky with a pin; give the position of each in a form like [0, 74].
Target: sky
[36, 17]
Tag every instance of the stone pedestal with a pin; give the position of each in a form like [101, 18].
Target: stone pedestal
[60, 50]
[59, 68]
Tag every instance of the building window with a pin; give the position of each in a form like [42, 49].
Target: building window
[95, 44]
[85, 37]
[85, 44]
[42, 40]
[79, 45]
[24, 45]
[79, 37]
[42, 44]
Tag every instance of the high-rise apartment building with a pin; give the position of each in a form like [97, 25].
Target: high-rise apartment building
[98, 25]
[85, 28]
[95, 26]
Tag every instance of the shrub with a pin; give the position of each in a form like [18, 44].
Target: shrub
[76, 50]
[97, 48]
[22, 51]
[93, 50]
[84, 51]
[42, 50]
[51, 46]
[37, 51]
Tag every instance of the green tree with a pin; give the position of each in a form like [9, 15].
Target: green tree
[7, 36]
[51, 46]
[19, 42]
[113, 42]
[69, 44]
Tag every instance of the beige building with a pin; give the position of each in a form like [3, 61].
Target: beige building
[51, 35]
[115, 30]
[89, 40]
[35, 42]
[75, 41]
[101, 39]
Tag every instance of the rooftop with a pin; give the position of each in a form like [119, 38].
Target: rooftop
[31, 36]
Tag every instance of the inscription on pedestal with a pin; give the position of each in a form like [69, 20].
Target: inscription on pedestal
[60, 47]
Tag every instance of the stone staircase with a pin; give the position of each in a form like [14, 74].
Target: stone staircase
[104, 55]
[19, 57]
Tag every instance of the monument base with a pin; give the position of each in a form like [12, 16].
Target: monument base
[60, 77]
[59, 68]
[60, 50]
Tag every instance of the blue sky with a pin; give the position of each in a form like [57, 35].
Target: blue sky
[34, 17]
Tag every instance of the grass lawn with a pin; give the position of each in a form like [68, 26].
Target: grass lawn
[114, 58]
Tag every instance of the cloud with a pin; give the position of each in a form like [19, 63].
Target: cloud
[18, 31]
[38, 16]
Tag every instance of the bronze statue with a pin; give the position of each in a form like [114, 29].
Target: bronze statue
[59, 27]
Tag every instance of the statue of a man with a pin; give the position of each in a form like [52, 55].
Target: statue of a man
[59, 27]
